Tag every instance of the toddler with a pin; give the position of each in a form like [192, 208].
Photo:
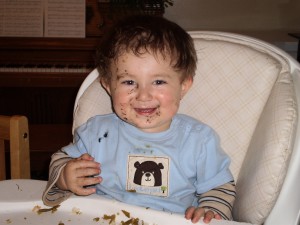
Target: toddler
[145, 153]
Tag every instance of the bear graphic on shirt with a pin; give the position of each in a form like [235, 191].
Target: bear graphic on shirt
[148, 173]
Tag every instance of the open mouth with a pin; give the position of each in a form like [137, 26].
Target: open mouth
[145, 111]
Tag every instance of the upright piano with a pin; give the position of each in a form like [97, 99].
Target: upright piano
[39, 78]
[45, 62]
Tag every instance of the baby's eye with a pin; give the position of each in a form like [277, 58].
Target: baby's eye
[128, 82]
[160, 82]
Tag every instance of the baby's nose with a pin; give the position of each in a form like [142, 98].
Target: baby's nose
[144, 94]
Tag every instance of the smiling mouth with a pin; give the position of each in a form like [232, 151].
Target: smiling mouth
[145, 111]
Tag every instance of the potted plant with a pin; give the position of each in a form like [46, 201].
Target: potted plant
[152, 7]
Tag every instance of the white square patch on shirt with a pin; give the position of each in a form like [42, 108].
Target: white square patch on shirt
[148, 175]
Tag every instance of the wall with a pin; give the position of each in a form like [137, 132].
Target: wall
[241, 15]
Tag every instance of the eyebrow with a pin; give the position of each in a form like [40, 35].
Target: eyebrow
[121, 75]
[163, 76]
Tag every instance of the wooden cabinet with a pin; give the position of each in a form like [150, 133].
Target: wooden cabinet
[39, 78]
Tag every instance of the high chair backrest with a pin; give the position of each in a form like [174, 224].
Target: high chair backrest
[245, 89]
[14, 129]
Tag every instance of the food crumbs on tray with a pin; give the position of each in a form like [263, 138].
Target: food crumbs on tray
[127, 214]
[76, 211]
[37, 209]
[111, 218]
[97, 219]
[19, 189]
[128, 222]
[135, 221]
[132, 221]
[8, 221]
[61, 223]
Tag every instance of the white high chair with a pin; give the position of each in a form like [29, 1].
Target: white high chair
[249, 92]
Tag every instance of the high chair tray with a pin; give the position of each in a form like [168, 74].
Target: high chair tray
[20, 203]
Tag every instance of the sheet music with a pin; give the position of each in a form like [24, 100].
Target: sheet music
[65, 18]
[21, 18]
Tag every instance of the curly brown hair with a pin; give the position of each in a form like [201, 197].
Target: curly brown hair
[148, 34]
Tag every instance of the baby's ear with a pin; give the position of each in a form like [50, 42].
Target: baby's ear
[105, 85]
[186, 85]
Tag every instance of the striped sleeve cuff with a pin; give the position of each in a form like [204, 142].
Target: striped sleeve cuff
[220, 200]
[53, 195]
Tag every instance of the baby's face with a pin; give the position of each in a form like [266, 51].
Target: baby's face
[146, 91]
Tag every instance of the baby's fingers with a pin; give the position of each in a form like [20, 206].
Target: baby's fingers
[85, 156]
[87, 182]
[189, 212]
[87, 172]
[84, 186]
[199, 212]
[209, 215]
[84, 191]
[218, 217]
[86, 164]
[194, 214]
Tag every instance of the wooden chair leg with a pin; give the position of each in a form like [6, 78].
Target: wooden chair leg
[2, 161]
[19, 139]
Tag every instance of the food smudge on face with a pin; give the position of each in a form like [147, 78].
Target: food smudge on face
[158, 112]
[131, 91]
[149, 119]
[123, 112]
[152, 117]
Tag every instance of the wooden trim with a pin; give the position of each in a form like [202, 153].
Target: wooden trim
[41, 79]
[2, 161]
[17, 128]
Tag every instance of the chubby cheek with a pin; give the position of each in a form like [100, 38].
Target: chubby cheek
[121, 111]
[169, 104]
[170, 99]
[122, 104]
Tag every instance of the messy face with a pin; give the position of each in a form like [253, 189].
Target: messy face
[146, 91]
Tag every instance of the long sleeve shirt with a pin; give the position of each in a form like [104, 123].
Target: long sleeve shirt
[171, 170]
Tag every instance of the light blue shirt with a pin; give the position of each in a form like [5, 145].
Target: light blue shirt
[162, 170]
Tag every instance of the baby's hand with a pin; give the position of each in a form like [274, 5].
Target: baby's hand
[79, 173]
[194, 214]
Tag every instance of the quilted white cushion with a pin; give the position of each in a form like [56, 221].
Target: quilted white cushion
[232, 85]
[94, 101]
[245, 93]
[268, 155]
